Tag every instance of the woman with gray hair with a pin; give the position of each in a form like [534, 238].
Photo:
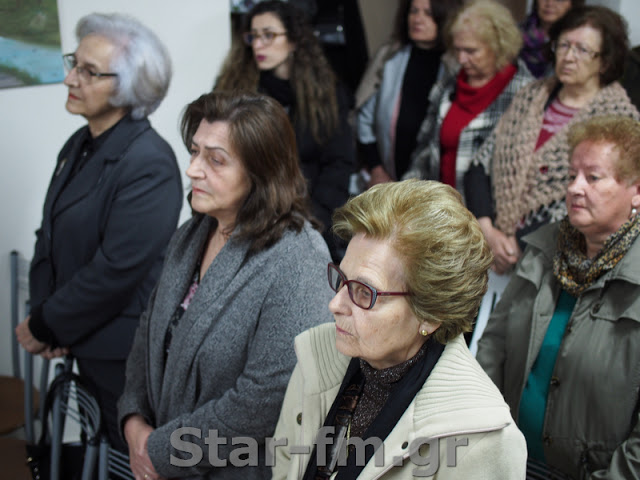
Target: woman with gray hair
[111, 208]
[139, 61]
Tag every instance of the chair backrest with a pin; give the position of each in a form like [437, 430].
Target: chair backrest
[113, 461]
[72, 401]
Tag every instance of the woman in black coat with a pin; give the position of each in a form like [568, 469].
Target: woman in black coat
[111, 208]
[282, 58]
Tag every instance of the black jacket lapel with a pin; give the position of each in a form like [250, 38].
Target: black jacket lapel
[87, 179]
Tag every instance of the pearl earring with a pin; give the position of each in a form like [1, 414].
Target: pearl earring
[634, 212]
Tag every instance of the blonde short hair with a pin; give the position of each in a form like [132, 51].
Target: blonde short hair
[445, 255]
[623, 132]
[494, 25]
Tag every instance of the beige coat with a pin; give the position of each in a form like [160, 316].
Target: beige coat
[457, 403]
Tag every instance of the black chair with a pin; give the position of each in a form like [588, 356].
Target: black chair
[113, 461]
[71, 401]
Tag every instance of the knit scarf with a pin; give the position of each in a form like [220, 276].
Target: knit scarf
[534, 39]
[574, 270]
[526, 180]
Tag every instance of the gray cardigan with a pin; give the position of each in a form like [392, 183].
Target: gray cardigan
[232, 352]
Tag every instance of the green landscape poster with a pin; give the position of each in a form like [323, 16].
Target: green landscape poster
[30, 52]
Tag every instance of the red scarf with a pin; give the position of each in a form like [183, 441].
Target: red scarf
[467, 104]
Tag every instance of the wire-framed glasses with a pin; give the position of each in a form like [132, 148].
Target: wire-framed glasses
[84, 73]
[581, 52]
[267, 37]
[363, 295]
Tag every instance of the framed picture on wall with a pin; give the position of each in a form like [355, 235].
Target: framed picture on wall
[30, 51]
[242, 6]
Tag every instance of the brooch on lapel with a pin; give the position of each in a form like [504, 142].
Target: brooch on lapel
[61, 165]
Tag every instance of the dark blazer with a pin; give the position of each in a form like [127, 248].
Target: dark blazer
[100, 247]
[231, 353]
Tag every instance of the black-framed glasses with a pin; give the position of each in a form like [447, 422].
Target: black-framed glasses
[85, 74]
[363, 295]
[267, 37]
[581, 52]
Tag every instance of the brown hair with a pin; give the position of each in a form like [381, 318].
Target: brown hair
[574, 3]
[441, 10]
[261, 134]
[445, 255]
[312, 79]
[623, 132]
[612, 28]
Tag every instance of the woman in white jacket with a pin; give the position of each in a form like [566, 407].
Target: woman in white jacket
[390, 390]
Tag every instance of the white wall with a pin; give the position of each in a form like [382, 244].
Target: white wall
[630, 10]
[34, 123]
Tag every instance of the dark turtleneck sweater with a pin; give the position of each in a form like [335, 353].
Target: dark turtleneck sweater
[377, 388]
[419, 77]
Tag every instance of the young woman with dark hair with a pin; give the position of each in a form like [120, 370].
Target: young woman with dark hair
[282, 58]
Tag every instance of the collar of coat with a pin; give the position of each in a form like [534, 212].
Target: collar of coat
[120, 139]
[544, 243]
[458, 397]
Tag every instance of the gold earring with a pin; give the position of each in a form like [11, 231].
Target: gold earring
[424, 333]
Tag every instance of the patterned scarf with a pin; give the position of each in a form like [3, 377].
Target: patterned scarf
[532, 51]
[574, 270]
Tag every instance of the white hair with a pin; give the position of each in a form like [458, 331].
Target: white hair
[141, 61]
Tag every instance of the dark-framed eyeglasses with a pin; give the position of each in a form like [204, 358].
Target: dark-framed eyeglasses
[85, 74]
[361, 294]
[581, 52]
[267, 37]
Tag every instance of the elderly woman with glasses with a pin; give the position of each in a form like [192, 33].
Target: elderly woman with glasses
[465, 105]
[111, 208]
[242, 278]
[282, 58]
[390, 389]
[517, 180]
[563, 343]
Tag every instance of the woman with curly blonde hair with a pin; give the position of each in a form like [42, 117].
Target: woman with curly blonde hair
[281, 57]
